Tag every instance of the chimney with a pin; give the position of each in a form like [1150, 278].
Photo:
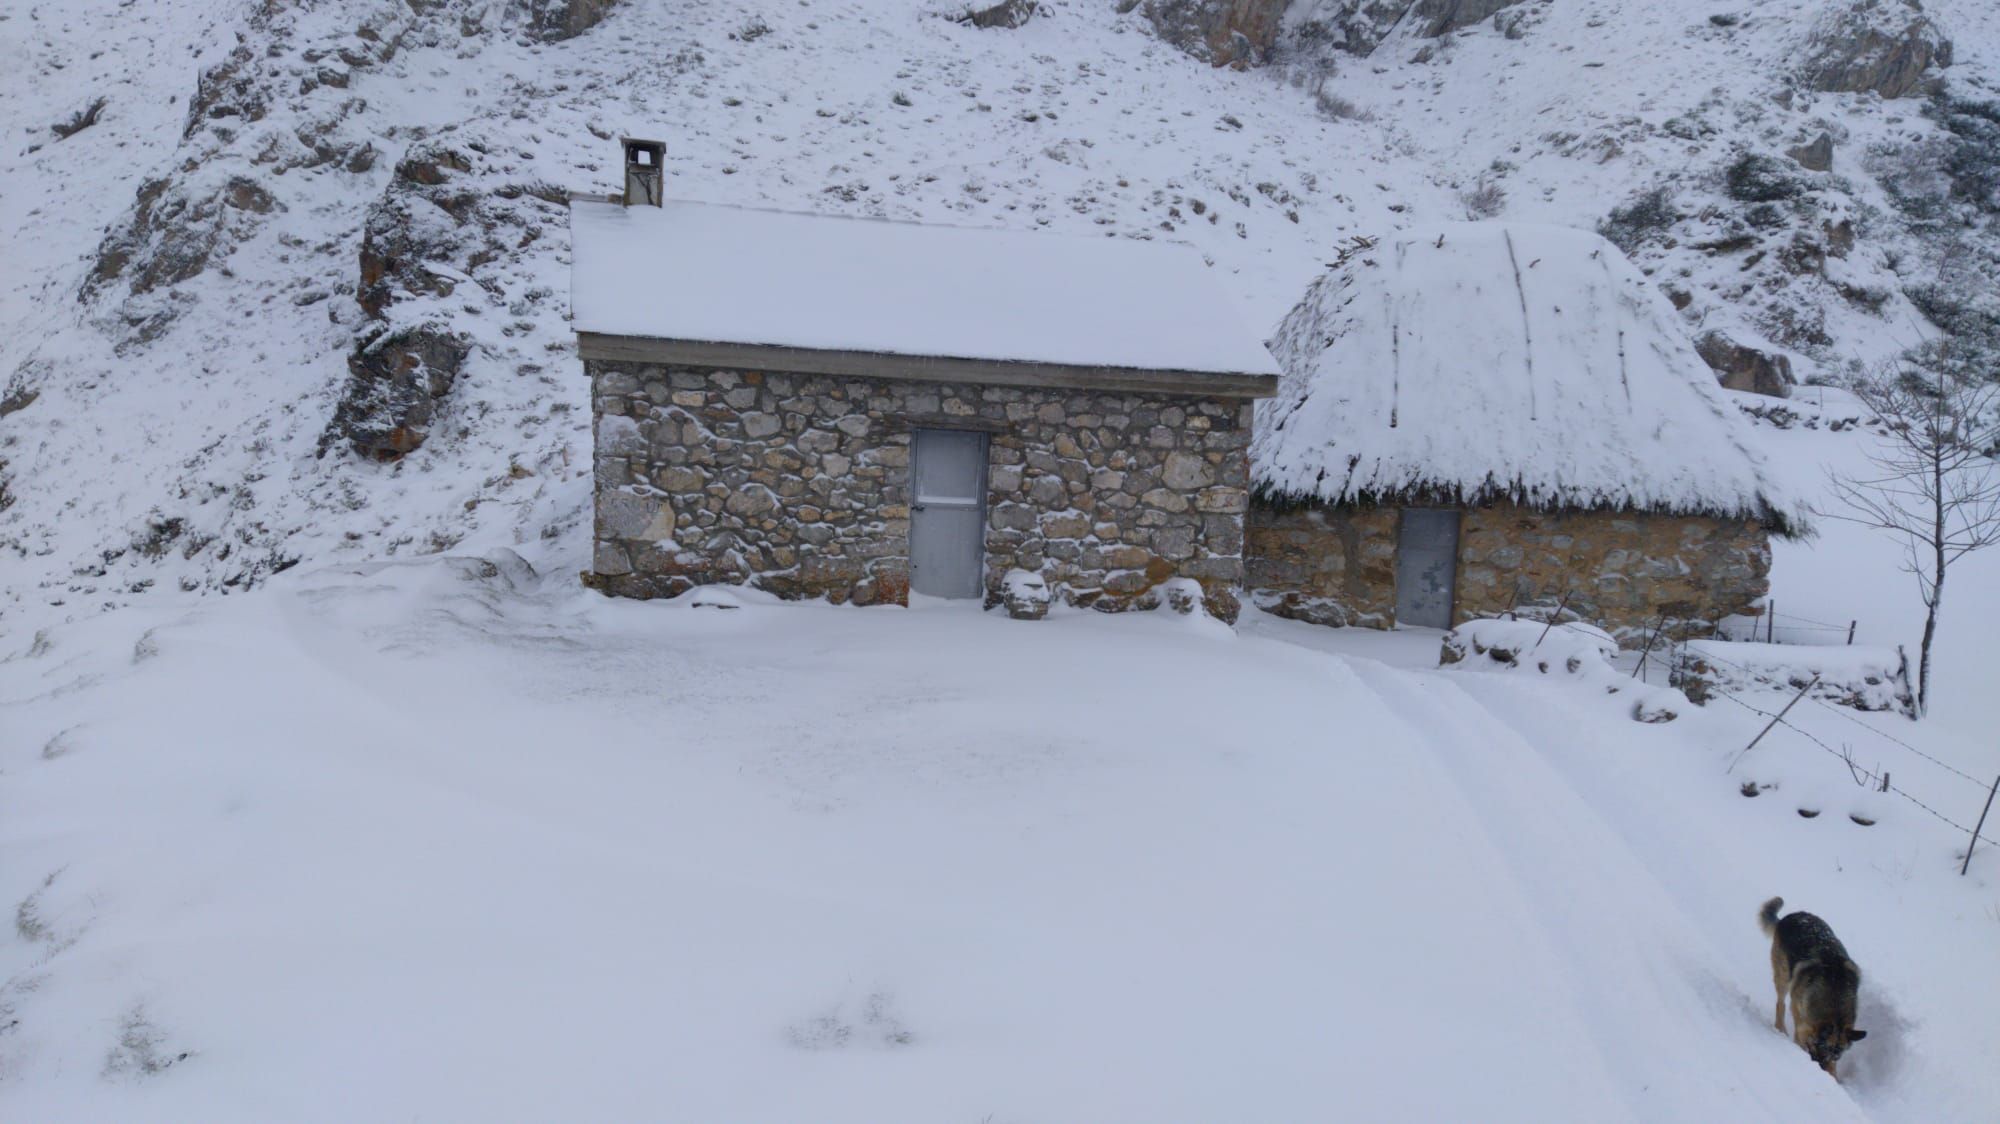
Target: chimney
[645, 172]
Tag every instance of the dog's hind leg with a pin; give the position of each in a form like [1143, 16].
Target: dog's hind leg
[1781, 979]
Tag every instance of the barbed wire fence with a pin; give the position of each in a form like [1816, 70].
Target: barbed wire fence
[1878, 780]
[1774, 627]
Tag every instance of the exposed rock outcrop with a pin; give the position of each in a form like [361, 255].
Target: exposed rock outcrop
[398, 381]
[1738, 367]
[448, 219]
[238, 128]
[1888, 46]
[1007, 14]
[551, 21]
[229, 89]
[1359, 26]
[1221, 32]
[1442, 17]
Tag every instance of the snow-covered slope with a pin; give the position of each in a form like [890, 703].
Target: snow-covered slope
[201, 442]
[446, 839]
[1577, 110]
[186, 423]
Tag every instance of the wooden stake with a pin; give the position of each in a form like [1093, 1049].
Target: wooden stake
[1775, 719]
[1771, 624]
[1967, 864]
[1850, 633]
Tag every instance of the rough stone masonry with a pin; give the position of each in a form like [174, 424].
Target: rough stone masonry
[1626, 571]
[800, 485]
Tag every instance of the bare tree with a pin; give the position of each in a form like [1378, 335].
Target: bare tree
[1934, 481]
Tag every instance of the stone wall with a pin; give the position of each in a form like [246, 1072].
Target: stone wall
[799, 484]
[1621, 570]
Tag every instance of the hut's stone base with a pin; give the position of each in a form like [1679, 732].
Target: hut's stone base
[1626, 572]
[800, 484]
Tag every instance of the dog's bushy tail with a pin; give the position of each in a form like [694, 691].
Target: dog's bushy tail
[1767, 918]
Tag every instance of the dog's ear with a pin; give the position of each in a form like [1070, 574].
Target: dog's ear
[1856, 1035]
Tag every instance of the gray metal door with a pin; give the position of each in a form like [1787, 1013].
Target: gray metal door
[948, 513]
[1426, 565]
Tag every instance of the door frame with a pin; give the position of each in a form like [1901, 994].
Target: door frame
[984, 506]
[1457, 546]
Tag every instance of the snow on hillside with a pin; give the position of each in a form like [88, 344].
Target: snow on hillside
[449, 839]
[200, 445]
[181, 426]
[1579, 109]
[414, 829]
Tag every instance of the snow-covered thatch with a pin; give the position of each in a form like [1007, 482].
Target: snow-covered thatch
[1477, 361]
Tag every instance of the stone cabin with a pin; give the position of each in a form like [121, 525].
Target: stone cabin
[857, 410]
[1485, 417]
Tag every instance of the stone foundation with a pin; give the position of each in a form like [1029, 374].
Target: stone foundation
[800, 484]
[1624, 571]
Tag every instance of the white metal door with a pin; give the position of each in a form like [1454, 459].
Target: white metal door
[948, 513]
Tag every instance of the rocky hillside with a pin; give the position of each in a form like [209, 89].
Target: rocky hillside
[288, 277]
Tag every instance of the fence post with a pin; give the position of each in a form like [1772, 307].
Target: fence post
[1850, 633]
[1771, 624]
[1967, 864]
[1775, 719]
[1658, 623]
[1553, 618]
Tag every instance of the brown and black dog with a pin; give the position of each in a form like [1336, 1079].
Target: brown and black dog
[1809, 964]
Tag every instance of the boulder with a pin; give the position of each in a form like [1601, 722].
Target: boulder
[1888, 46]
[1815, 155]
[1025, 595]
[1738, 367]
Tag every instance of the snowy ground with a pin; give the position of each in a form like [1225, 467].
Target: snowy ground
[441, 839]
[438, 839]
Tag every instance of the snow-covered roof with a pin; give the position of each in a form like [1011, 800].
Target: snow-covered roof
[1500, 360]
[700, 272]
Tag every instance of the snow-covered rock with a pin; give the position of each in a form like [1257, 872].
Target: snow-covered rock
[1573, 650]
[445, 239]
[1858, 676]
[1741, 367]
[1359, 26]
[1025, 595]
[1890, 47]
[1222, 32]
